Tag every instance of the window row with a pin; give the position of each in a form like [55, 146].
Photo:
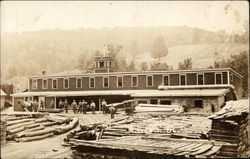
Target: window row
[134, 81]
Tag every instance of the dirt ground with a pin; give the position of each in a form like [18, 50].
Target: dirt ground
[50, 147]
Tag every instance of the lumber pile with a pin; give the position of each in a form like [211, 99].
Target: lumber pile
[50, 110]
[231, 125]
[141, 108]
[23, 127]
[3, 130]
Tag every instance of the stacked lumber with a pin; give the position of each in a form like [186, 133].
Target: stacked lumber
[231, 125]
[141, 108]
[3, 130]
[50, 110]
[29, 128]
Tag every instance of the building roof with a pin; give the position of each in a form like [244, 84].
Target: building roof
[133, 93]
[2, 93]
[232, 109]
[140, 73]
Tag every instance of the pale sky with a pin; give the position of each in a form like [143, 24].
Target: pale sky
[31, 15]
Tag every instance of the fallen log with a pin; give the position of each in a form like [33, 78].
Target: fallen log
[41, 132]
[33, 114]
[13, 131]
[49, 110]
[18, 121]
[16, 118]
[34, 138]
[37, 128]
[50, 123]
[40, 120]
[31, 126]
[20, 125]
[58, 119]
[70, 126]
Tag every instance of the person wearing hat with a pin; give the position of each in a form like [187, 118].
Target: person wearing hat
[80, 107]
[112, 111]
[92, 106]
[66, 105]
[84, 106]
[104, 106]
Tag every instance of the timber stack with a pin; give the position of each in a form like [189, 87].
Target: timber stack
[231, 125]
[30, 126]
[3, 130]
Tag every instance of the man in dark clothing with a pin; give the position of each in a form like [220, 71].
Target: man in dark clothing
[74, 104]
[61, 104]
[84, 106]
[66, 105]
[80, 107]
[112, 111]
[35, 105]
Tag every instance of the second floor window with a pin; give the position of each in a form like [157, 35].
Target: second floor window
[134, 81]
[182, 79]
[200, 80]
[66, 83]
[218, 78]
[119, 81]
[92, 82]
[105, 82]
[165, 80]
[78, 83]
[45, 83]
[149, 81]
[34, 84]
[54, 83]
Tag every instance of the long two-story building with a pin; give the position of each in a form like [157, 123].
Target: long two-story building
[202, 90]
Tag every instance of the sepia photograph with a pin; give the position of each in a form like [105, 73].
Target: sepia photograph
[124, 79]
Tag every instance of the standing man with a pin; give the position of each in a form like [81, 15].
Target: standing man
[112, 111]
[80, 107]
[61, 104]
[66, 105]
[74, 104]
[52, 105]
[92, 106]
[104, 106]
[35, 103]
[84, 106]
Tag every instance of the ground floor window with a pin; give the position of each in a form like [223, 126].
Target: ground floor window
[165, 102]
[153, 101]
[142, 101]
[198, 103]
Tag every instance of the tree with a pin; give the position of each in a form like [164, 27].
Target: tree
[159, 48]
[157, 66]
[239, 63]
[144, 66]
[131, 66]
[186, 65]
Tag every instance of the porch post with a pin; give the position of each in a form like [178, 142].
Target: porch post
[55, 102]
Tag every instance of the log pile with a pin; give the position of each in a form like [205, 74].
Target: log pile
[231, 125]
[35, 126]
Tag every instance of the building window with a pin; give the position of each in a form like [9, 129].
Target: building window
[66, 83]
[165, 80]
[111, 64]
[200, 80]
[198, 103]
[218, 78]
[45, 83]
[119, 81]
[149, 81]
[101, 64]
[231, 77]
[134, 81]
[34, 84]
[153, 101]
[54, 83]
[92, 82]
[142, 102]
[165, 102]
[105, 82]
[78, 83]
[182, 79]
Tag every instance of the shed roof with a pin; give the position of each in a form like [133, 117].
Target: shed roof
[232, 109]
[133, 93]
[2, 93]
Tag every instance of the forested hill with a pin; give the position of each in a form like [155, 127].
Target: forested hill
[29, 53]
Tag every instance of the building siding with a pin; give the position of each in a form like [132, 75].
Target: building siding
[209, 78]
[174, 79]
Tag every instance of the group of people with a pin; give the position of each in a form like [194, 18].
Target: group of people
[29, 106]
[82, 106]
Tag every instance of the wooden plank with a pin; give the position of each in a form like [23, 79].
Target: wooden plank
[202, 149]
[212, 151]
